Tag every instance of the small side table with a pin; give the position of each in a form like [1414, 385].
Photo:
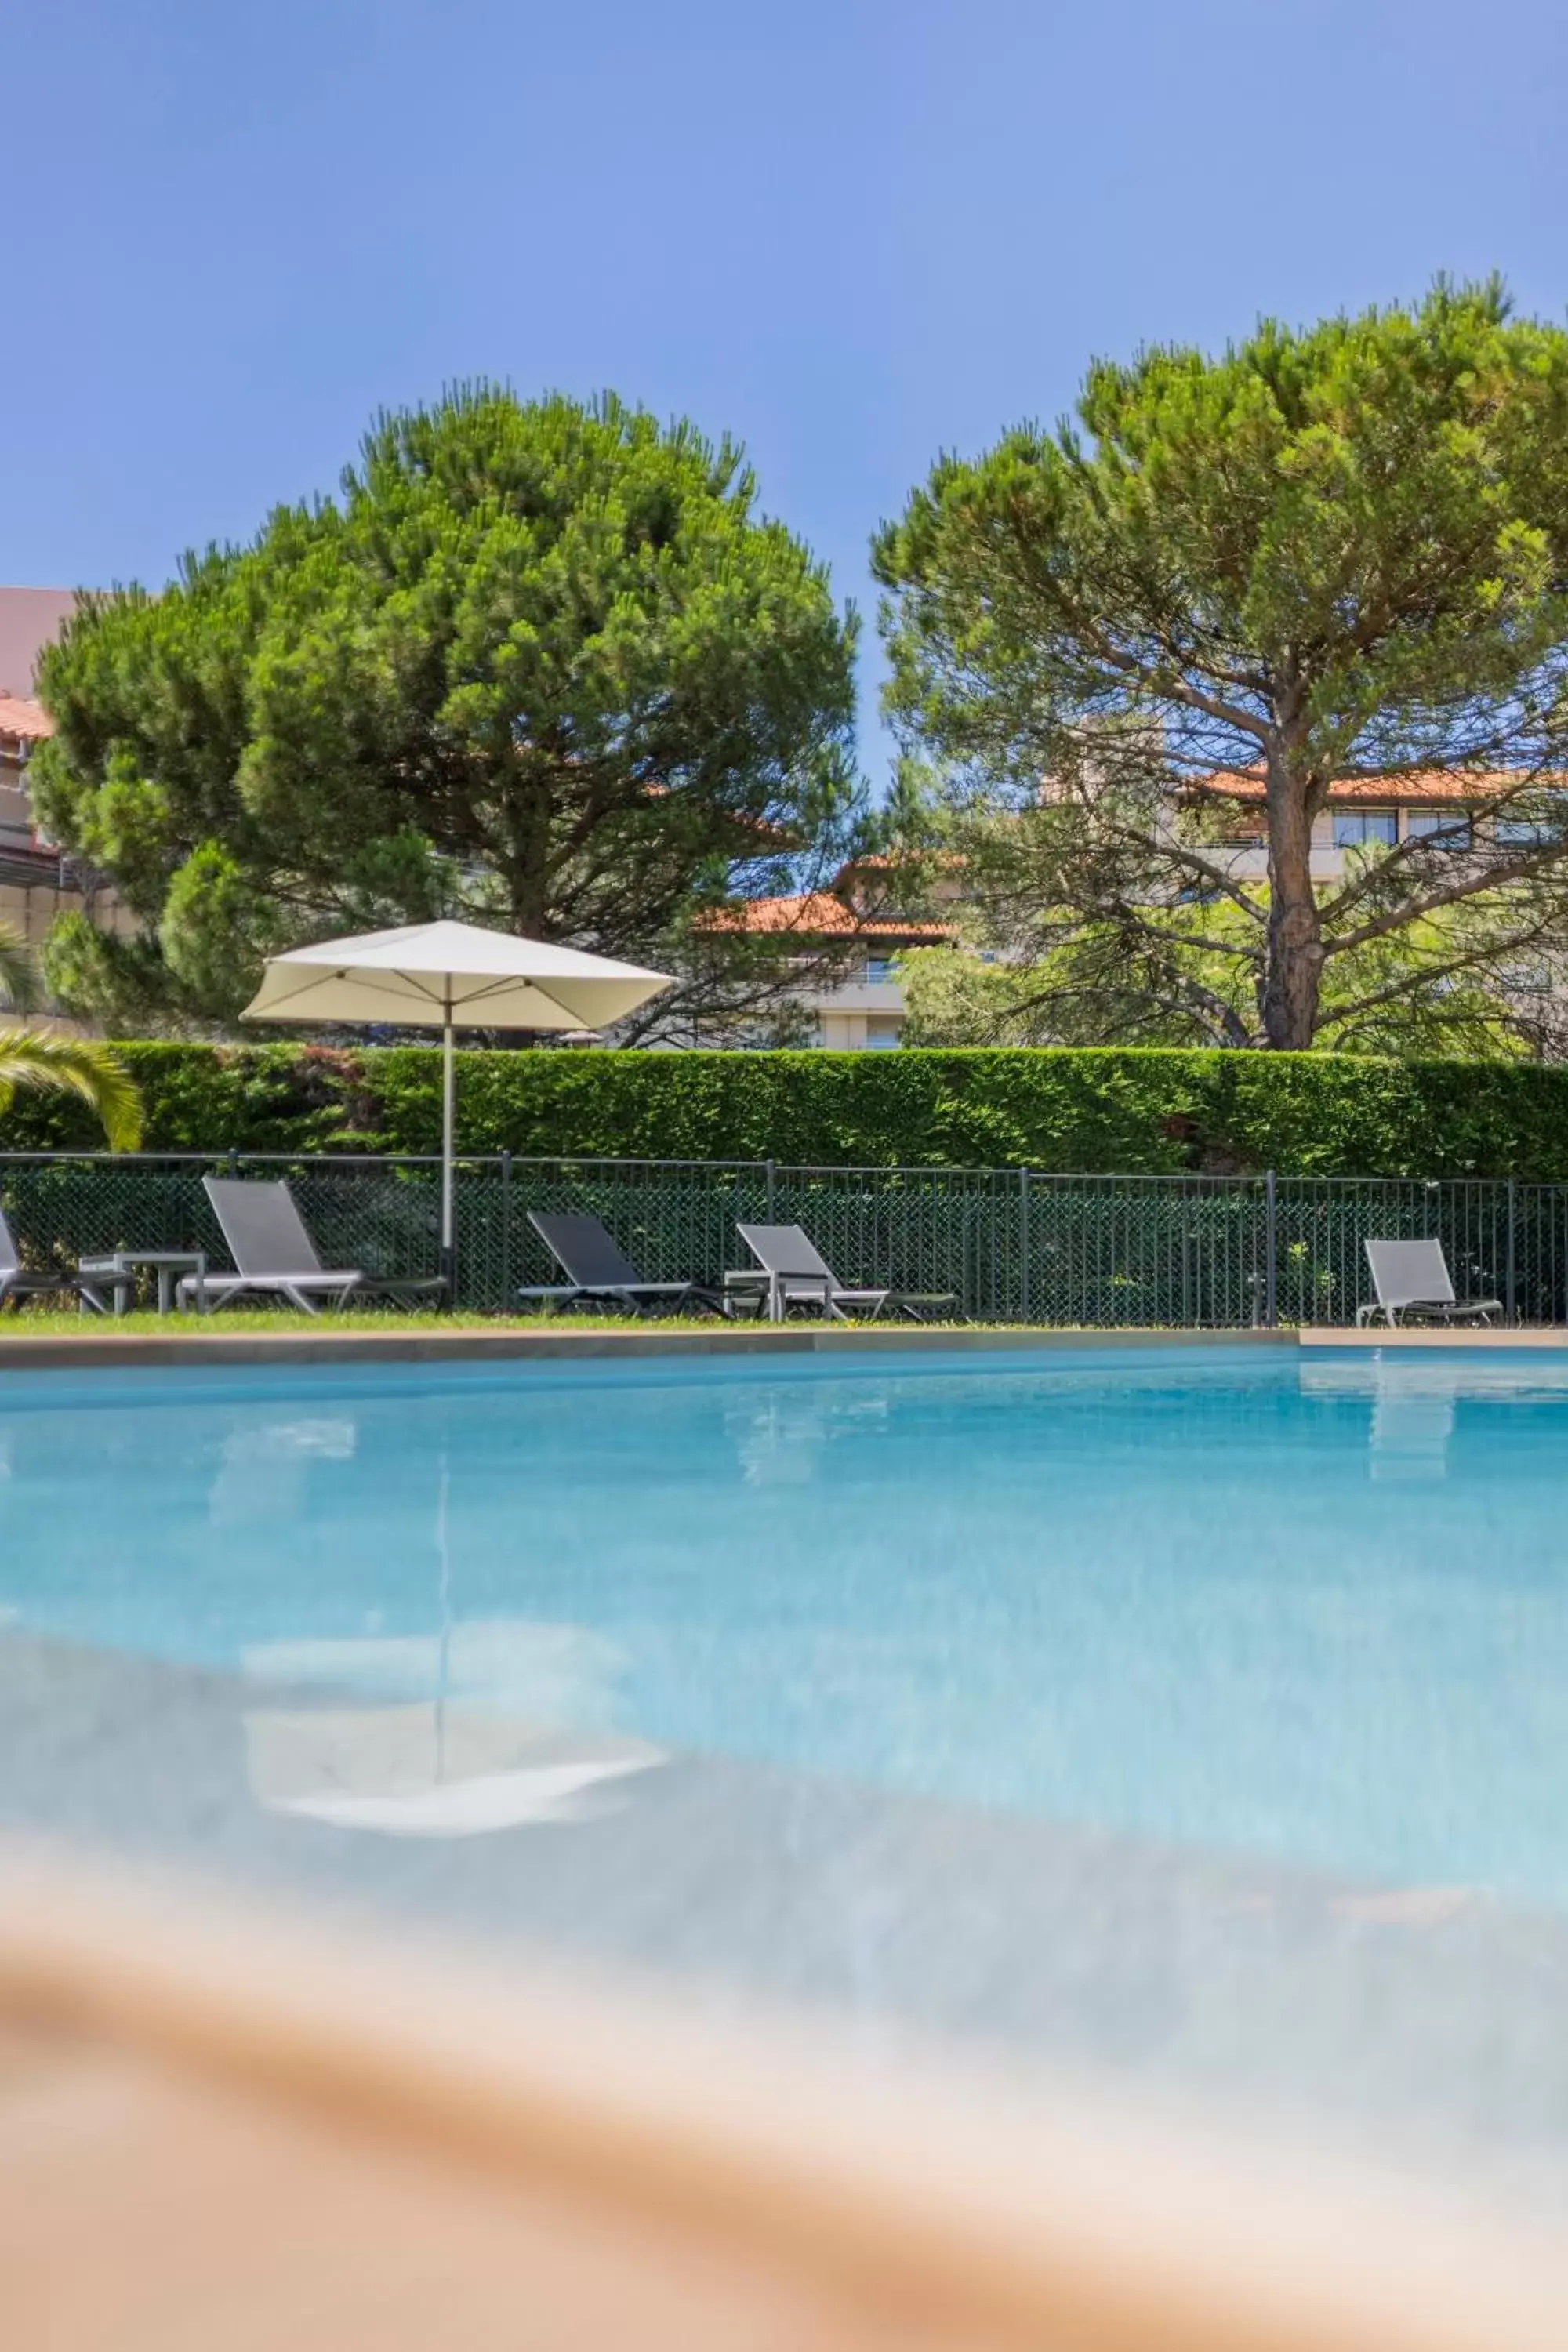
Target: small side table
[770, 1294]
[752, 1290]
[168, 1266]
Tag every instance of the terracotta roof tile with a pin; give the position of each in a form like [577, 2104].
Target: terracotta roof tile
[819, 914]
[27, 720]
[1370, 792]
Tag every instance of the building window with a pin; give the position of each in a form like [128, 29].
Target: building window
[1446, 831]
[881, 969]
[881, 1034]
[1525, 832]
[1364, 828]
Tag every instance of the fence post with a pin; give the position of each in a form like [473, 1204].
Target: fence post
[1507, 1293]
[505, 1231]
[768, 1173]
[234, 1160]
[1023, 1245]
[1270, 1252]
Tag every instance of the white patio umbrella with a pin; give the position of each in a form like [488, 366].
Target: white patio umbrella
[448, 976]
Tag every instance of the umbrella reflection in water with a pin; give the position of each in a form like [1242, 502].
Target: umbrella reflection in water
[491, 1748]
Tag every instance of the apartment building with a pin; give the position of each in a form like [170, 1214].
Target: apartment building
[861, 1005]
[865, 1006]
[1454, 812]
[29, 619]
[23, 724]
[35, 882]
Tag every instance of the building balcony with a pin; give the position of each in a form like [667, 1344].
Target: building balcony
[867, 996]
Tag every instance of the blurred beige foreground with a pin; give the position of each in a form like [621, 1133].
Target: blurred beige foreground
[225, 2130]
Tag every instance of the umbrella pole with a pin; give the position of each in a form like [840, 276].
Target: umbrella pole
[448, 1145]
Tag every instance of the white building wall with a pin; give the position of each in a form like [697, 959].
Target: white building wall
[858, 1015]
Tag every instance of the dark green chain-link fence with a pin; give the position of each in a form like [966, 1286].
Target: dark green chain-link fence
[1191, 1252]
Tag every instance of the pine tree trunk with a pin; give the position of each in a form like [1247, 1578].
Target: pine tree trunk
[1294, 969]
[528, 876]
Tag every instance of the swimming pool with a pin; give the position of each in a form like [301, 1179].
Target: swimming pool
[1305, 1606]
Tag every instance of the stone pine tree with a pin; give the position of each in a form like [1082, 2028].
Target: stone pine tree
[541, 664]
[1335, 553]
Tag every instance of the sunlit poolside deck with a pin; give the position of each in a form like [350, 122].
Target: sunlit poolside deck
[183, 1341]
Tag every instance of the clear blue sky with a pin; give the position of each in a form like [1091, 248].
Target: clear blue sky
[851, 232]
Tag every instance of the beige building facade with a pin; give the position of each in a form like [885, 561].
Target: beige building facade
[36, 883]
[861, 1006]
[31, 619]
[1451, 811]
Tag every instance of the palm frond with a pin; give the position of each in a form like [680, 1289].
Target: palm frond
[18, 971]
[79, 1065]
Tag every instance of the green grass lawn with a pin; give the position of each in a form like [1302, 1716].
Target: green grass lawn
[40, 1322]
[37, 1321]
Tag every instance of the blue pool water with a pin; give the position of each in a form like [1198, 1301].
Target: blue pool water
[1305, 1605]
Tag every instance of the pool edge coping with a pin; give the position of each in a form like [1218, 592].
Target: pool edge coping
[98, 1350]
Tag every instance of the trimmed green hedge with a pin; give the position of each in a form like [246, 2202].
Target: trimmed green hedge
[1128, 1111]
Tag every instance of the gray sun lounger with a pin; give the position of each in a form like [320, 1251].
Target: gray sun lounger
[275, 1257]
[598, 1270]
[793, 1272]
[85, 1284]
[1414, 1277]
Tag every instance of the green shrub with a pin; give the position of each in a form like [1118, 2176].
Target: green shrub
[1103, 1109]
